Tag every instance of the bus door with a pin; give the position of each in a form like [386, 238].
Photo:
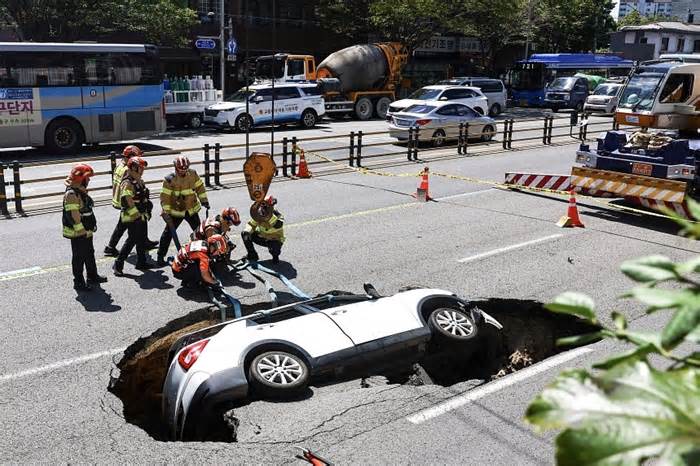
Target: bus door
[94, 102]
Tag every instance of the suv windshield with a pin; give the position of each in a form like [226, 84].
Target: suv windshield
[239, 95]
[562, 84]
[606, 89]
[425, 94]
[639, 93]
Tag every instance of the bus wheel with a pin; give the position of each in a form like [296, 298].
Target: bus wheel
[64, 136]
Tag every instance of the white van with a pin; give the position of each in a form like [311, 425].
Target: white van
[493, 89]
[294, 103]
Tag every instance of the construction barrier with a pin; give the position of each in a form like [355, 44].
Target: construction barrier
[217, 166]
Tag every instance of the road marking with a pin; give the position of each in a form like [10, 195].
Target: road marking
[31, 271]
[60, 364]
[509, 248]
[492, 387]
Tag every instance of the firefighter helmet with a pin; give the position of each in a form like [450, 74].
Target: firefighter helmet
[132, 151]
[217, 245]
[231, 216]
[136, 162]
[271, 200]
[181, 163]
[80, 173]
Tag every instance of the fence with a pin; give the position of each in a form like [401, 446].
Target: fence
[354, 151]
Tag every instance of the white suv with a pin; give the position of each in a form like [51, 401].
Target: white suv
[294, 103]
[493, 89]
[469, 96]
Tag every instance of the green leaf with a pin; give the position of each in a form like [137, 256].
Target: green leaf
[693, 208]
[633, 355]
[619, 320]
[694, 336]
[643, 339]
[628, 414]
[579, 340]
[576, 304]
[693, 265]
[684, 321]
[659, 299]
[649, 269]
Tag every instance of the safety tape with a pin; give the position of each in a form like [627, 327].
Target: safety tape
[496, 184]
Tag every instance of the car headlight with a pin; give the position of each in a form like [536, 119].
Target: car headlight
[566, 96]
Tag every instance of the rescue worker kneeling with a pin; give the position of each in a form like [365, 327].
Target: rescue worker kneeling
[219, 225]
[193, 262]
[269, 234]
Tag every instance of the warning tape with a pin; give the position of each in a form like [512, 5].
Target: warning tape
[496, 184]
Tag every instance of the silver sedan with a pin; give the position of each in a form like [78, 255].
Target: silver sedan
[438, 122]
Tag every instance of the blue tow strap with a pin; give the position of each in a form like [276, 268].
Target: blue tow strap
[288, 283]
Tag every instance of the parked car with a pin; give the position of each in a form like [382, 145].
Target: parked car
[470, 96]
[294, 103]
[438, 122]
[604, 98]
[493, 89]
[276, 353]
[567, 92]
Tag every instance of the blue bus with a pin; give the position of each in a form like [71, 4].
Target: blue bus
[63, 95]
[529, 78]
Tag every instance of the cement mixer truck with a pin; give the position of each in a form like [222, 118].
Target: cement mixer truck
[359, 81]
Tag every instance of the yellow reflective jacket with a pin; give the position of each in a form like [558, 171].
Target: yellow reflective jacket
[117, 178]
[78, 217]
[182, 195]
[273, 229]
[135, 204]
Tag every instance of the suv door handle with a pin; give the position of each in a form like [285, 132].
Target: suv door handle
[341, 311]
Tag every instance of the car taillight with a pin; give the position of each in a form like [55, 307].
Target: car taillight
[422, 122]
[190, 353]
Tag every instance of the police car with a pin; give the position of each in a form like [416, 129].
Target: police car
[294, 103]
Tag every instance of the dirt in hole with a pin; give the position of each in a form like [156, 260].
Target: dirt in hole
[528, 336]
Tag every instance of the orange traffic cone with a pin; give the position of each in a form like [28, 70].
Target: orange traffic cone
[303, 171]
[423, 191]
[571, 219]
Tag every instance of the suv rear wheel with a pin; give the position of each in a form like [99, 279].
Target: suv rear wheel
[278, 373]
[308, 118]
[452, 325]
[244, 123]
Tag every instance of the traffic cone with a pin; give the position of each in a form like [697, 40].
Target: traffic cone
[571, 219]
[423, 191]
[303, 171]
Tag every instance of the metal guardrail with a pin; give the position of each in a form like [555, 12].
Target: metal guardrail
[213, 161]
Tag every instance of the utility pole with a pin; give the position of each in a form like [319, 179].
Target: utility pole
[222, 52]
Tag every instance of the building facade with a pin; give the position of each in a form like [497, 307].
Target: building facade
[649, 41]
[646, 8]
[687, 11]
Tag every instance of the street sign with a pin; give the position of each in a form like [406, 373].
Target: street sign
[231, 57]
[231, 46]
[205, 44]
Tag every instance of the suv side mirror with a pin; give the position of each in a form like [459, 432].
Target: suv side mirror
[258, 98]
[371, 290]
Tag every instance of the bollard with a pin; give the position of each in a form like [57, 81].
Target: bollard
[465, 145]
[294, 156]
[416, 140]
[207, 173]
[285, 150]
[544, 130]
[351, 154]
[217, 163]
[551, 128]
[460, 138]
[409, 145]
[505, 134]
[3, 194]
[510, 133]
[359, 148]
[16, 182]
[615, 124]
[112, 162]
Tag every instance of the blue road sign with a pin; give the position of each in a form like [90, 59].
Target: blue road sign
[205, 44]
[231, 46]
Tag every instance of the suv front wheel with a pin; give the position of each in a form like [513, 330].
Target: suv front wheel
[308, 118]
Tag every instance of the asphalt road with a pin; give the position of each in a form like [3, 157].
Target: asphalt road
[343, 229]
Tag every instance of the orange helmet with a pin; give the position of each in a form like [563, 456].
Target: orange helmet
[80, 173]
[132, 151]
[181, 163]
[271, 200]
[231, 215]
[217, 245]
[136, 162]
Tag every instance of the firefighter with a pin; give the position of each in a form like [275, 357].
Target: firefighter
[193, 262]
[136, 210]
[219, 225]
[119, 171]
[269, 234]
[79, 225]
[181, 198]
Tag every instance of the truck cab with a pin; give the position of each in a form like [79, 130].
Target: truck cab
[287, 68]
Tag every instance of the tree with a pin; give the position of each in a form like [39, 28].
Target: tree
[635, 19]
[572, 26]
[630, 411]
[163, 22]
[348, 18]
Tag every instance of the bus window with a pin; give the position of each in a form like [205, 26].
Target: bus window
[677, 89]
[38, 70]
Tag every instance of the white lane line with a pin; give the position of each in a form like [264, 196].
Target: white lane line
[492, 387]
[30, 270]
[471, 193]
[60, 364]
[509, 248]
